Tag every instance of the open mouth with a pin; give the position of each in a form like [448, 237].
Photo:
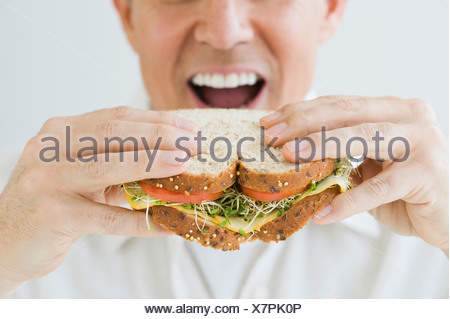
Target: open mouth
[234, 90]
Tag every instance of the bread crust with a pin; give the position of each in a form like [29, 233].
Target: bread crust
[292, 181]
[185, 226]
[296, 217]
[217, 237]
[197, 184]
[289, 181]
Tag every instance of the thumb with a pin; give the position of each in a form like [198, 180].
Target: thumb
[96, 218]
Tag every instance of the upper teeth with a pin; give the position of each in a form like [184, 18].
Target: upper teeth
[222, 81]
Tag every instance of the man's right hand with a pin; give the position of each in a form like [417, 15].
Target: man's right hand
[47, 206]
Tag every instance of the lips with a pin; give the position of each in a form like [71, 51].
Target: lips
[233, 90]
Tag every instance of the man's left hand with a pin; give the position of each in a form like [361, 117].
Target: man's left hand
[405, 189]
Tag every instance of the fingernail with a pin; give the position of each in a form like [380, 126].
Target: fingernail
[324, 212]
[302, 146]
[174, 158]
[271, 117]
[185, 124]
[276, 129]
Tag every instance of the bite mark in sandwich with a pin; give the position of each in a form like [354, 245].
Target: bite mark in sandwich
[222, 205]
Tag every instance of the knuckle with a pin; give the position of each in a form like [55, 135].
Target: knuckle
[386, 129]
[122, 112]
[422, 110]
[34, 144]
[298, 121]
[347, 105]
[291, 108]
[95, 168]
[111, 221]
[435, 147]
[111, 128]
[419, 106]
[54, 123]
[298, 116]
[37, 142]
[33, 179]
[367, 131]
[38, 146]
[330, 97]
[167, 116]
[439, 165]
[140, 225]
[349, 201]
[308, 114]
[159, 130]
[379, 187]
[432, 132]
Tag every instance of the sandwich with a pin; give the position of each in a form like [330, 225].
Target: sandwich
[237, 189]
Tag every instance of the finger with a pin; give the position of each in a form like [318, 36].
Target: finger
[117, 168]
[280, 114]
[390, 185]
[57, 125]
[379, 141]
[301, 119]
[94, 218]
[123, 136]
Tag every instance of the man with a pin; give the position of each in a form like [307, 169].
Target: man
[190, 51]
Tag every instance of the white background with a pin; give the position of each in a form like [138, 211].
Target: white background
[68, 57]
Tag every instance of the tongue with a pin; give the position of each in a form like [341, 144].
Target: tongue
[228, 98]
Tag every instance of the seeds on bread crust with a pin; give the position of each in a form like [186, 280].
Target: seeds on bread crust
[217, 237]
[296, 217]
[290, 181]
[196, 184]
[212, 235]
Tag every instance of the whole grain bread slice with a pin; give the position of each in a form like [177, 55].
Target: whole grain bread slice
[291, 181]
[221, 163]
[217, 237]
[198, 183]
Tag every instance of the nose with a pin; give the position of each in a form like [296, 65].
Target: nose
[224, 24]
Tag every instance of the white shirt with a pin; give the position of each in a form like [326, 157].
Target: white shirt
[356, 258]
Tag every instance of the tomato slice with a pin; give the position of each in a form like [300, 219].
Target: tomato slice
[168, 196]
[265, 196]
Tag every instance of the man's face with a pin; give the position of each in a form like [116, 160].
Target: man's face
[227, 53]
